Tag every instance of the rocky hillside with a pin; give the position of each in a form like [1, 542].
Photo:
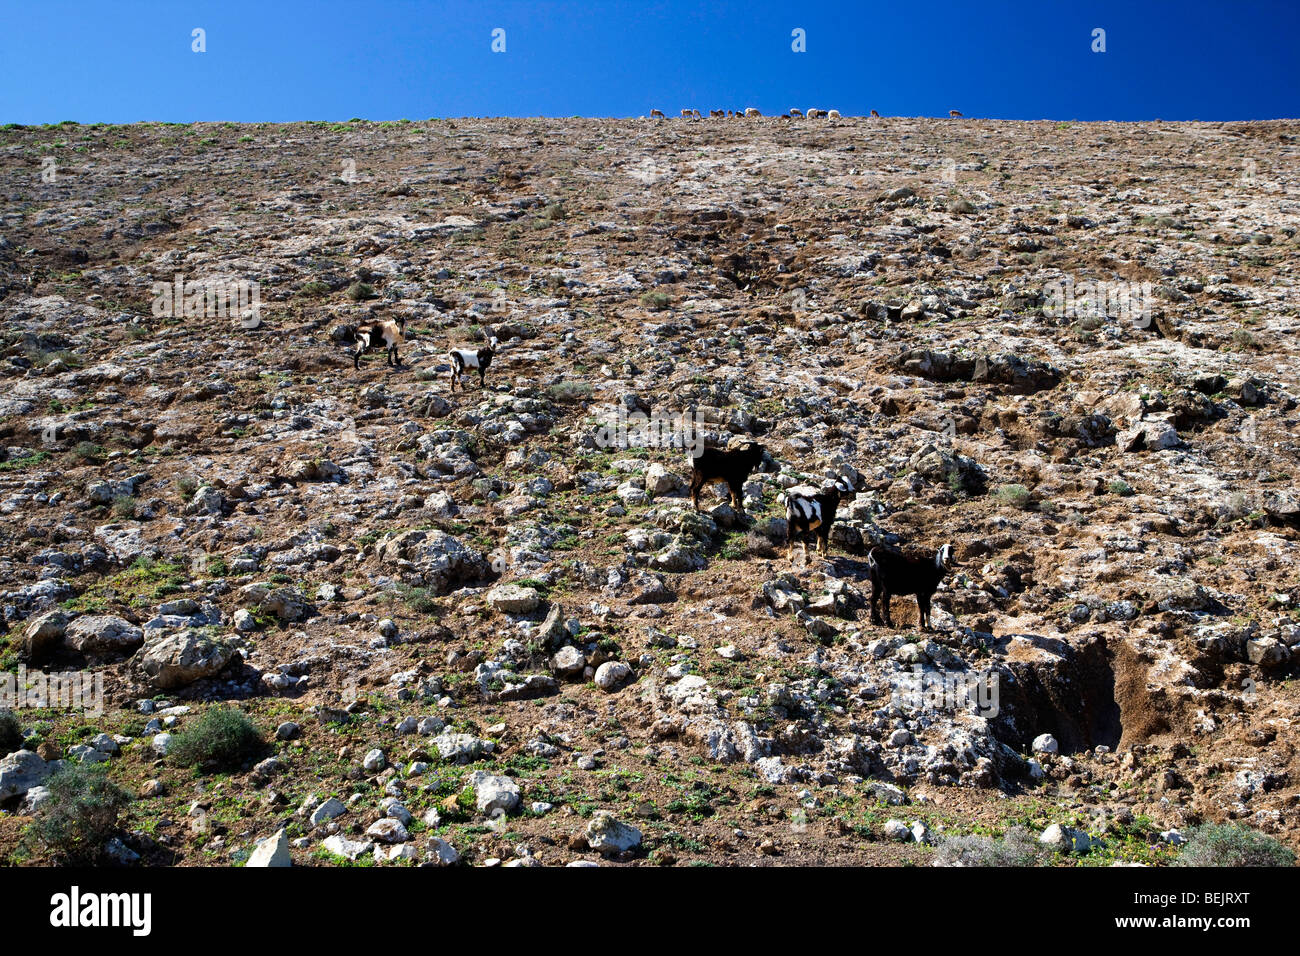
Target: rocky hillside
[488, 626]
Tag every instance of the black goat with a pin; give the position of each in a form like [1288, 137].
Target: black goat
[732, 467]
[895, 573]
[810, 511]
[463, 359]
[391, 333]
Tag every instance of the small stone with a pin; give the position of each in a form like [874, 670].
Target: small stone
[328, 810]
[287, 730]
[1045, 744]
[388, 830]
[441, 853]
[374, 761]
[493, 793]
[897, 830]
[611, 674]
[273, 851]
[608, 835]
[348, 849]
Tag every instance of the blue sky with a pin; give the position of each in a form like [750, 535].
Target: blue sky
[129, 60]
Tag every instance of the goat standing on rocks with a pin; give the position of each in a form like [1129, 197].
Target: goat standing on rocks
[463, 359]
[809, 511]
[895, 573]
[391, 333]
[731, 467]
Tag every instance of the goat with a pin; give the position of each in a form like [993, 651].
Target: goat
[893, 572]
[686, 114]
[391, 333]
[731, 467]
[954, 113]
[657, 113]
[814, 113]
[796, 112]
[717, 113]
[751, 112]
[832, 114]
[875, 114]
[812, 511]
[463, 359]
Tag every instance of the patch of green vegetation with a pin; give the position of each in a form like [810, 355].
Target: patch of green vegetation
[144, 583]
[360, 291]
[1231, 844]
[17, 464]
[79, 816]
[222, 735]
[1017, 496]
[314, 288]
[656, 301]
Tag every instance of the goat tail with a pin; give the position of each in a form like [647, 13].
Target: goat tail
[872, 564]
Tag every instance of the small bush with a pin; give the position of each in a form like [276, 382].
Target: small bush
[1017, 848]
[11, 732]
[657, 301]
[1231, 844]
[570, 391]
[360, 291]
[88, 450]
[124, 507]
[1015, 495]
[1120, 487]
[315, 288]
[223, 736]
[80, 815]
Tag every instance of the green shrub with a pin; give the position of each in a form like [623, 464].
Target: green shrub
[1015, 495]
[223, 735]
[1231, 844]
[1017, 848]
[656, 300]
[1120, 487]
[570, 391]
[11, 732]
[80, 815]
[359, 291]
[124, 507]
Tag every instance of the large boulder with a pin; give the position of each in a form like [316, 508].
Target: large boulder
[288, 604]
[514, 599]
[21, 771]
[43, 635]
[434, 559]
[182, 658]
[102, 636]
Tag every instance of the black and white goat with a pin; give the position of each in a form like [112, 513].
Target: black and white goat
[811, 511]
[464, 359]
[391, 332]
[731, 467]
[893, 572]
